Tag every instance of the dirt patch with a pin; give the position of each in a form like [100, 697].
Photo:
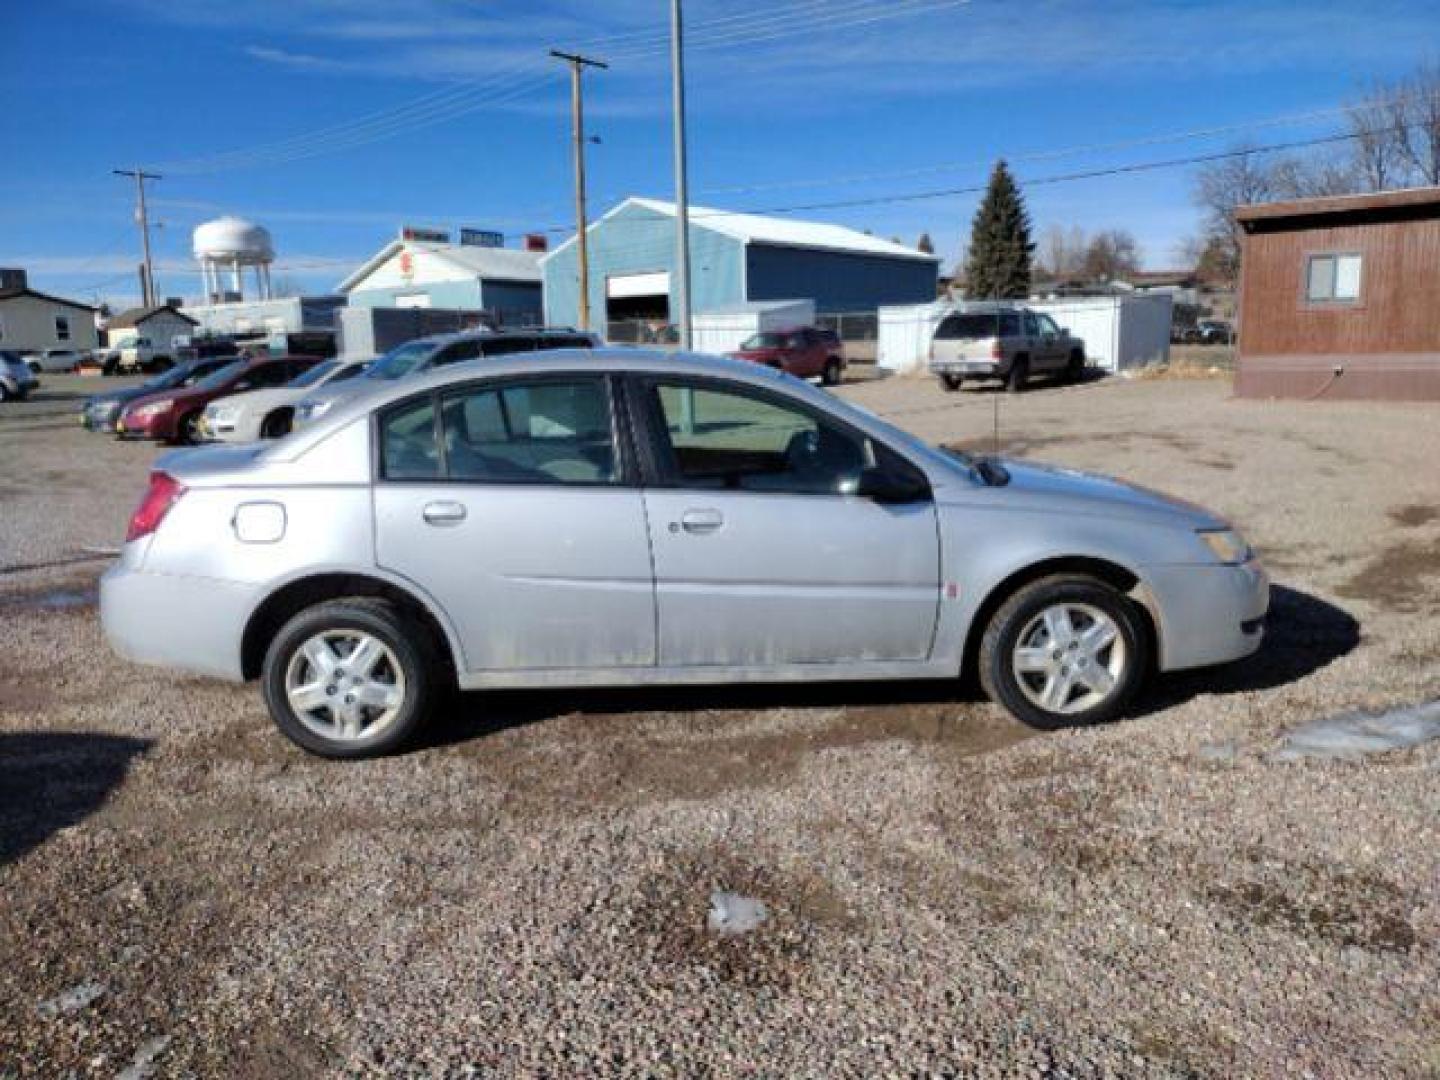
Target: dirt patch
[1347, 909]
[74, 592]
[1414, 515]
[1401, 577]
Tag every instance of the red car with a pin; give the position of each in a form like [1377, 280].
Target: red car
[803, 351]
[174, 415]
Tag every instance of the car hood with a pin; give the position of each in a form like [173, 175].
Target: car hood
[1051, 488]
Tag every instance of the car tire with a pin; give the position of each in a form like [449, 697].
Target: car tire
[951, 383]
[830, 373]
[187, 430]
[277, 424]
[406, 665]
[1043, 670]
[35, 368]
[1075, 369]
[1019, 374]
[4, 392]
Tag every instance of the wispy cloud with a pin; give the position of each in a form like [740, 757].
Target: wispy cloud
[298, 61]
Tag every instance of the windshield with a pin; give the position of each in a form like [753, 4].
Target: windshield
[314, 375]
[166, 379]
[764, 341]
[401, 361]
[221, 377]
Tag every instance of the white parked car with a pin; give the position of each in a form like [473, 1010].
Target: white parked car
[267, 414]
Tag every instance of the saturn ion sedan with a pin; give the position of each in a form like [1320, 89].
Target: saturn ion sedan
[620, 517]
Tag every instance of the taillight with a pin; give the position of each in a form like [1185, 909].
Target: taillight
[164, 492]
[997, 352]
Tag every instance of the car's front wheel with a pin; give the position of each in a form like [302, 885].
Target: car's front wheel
[1065, 651]
[349, 678]
[951, 383]
[830, 374]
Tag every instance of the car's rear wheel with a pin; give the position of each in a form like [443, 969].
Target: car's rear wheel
[1019, 375]
[349, 678]
[951, 383]
[830, 373]
[1075, 369]
[33, 366]
[1065, 651]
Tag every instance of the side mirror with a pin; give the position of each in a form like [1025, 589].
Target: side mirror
[884, 486]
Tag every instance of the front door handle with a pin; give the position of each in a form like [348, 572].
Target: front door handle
[701, 521]
[443, 513]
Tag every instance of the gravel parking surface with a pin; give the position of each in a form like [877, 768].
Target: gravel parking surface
[186, 894]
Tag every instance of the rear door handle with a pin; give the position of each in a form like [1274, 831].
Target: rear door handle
[701, 521]
[443, 513]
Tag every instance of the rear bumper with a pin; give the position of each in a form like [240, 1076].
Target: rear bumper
[979, 368]
[189, 623]
[1208, 614]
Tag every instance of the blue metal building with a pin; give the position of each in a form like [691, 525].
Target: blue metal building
[734, 258]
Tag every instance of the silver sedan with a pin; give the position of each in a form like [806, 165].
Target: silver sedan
[623, 517]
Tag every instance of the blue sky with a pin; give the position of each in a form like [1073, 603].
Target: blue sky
[334, 121]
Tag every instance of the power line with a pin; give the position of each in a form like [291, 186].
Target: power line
[497, 89]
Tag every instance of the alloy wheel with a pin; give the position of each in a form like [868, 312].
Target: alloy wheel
[346, 685]
[1069, 658]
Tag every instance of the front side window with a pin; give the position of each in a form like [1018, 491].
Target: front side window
[1047, 325]
[1333, 279]
[453, 354]
[62, 327]
[727, 440]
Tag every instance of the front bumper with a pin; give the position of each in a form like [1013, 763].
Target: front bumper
[157, 426]
[1207, 614]
[190, 623]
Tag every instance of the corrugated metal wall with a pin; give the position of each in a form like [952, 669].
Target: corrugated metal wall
[838, 281]
[443, 294]
[639, 241]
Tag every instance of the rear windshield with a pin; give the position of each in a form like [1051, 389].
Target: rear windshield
[967, 326]
[765, 341]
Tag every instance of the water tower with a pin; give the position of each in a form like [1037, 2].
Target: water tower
[229, 245]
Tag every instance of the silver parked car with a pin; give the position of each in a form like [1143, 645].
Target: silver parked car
[16, 377]
[627, 517]
[1005, 341]
[438, 350]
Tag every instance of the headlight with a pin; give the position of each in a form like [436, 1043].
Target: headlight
[153, 408]
[1227, 545]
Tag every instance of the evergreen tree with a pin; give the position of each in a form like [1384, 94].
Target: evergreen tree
[1000, 247]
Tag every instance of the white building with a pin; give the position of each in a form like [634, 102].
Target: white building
[31, 321]
[159, 324]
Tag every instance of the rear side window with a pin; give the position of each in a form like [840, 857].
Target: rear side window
[504, 345]
[452, 354]
[407, 441]
[551, 432]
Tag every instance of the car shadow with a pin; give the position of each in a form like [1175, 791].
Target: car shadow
[1036, 383]
[1302, 635]
[52, 780]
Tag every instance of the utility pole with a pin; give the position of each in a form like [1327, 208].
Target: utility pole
[578, 64]
[682, 198]
[143, 218]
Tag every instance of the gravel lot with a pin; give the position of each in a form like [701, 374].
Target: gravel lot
[184, 893]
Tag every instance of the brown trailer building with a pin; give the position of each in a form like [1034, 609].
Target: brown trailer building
[1340, 297]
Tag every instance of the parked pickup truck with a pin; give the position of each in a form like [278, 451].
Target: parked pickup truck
[1003, 341]
[141, 354]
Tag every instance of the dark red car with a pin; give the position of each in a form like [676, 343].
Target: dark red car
[174, 415]
[803, 351]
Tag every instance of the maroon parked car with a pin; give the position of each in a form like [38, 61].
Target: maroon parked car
[803, 351]
[174, 415]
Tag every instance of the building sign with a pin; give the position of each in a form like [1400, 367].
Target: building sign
[481, 238]
[424, 236]
[537, 242]
[407, 265]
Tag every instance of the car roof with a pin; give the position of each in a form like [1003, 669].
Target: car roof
[452, 336]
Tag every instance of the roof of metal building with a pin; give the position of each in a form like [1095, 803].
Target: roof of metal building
[1340, 204]
[762, 229]
[497, 264]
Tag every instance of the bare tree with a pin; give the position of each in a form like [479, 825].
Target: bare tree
[1062, 252]
[1219, 189]
[1414, 111]
[1373, 145]
[1111, 254]
[1307, 178]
